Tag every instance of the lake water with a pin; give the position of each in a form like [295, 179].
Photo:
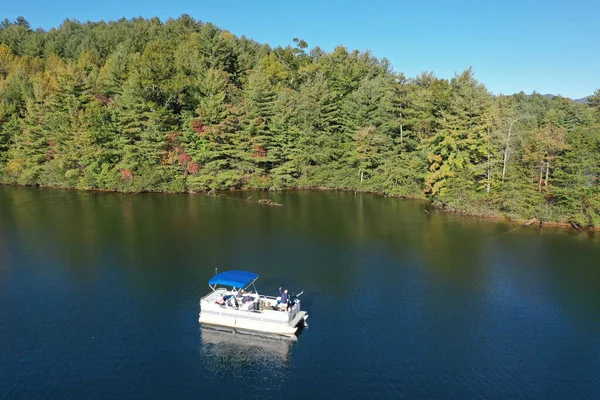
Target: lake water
[99, 299]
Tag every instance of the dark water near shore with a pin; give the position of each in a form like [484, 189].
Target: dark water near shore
[99, 299]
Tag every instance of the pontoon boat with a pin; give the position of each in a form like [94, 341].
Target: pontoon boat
[231, 306]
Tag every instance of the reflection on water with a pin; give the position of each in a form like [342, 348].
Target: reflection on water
[240, 355]
[99, 295]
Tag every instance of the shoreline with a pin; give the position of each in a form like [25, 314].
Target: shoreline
[526, 223]
[523, 223]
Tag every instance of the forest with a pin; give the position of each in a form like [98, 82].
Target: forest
[139, 105]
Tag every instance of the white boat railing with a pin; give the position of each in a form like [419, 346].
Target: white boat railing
[254, 314]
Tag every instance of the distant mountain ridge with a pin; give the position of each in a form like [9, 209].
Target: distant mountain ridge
[583, 100]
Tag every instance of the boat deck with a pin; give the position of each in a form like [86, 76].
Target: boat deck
[298, 318]
[213, 296]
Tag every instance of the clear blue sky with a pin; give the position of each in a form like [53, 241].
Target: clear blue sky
[549, 46]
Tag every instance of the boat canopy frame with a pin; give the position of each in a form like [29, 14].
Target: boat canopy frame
[235, 278]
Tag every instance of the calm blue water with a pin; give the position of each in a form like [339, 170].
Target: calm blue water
[99, 299]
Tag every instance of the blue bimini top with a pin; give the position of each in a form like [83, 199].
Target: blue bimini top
[235, 278]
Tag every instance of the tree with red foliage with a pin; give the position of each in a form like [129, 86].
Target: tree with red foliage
[199, 127]
[103, 99]
[260, 152]
[184, 159]
[193, 168]
[51, 151]
[126, 174]
[172, 137]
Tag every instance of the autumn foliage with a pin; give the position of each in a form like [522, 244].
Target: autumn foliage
[126, 174]
[260, 152]
[193, 168]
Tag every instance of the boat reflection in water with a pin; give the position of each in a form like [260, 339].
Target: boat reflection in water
[239, 349]
[246, 358]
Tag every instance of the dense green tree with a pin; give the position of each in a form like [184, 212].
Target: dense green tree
[146, 105]
[594, 102]
[458, 149]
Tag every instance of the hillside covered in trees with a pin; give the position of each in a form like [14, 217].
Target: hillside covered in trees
[144, 105]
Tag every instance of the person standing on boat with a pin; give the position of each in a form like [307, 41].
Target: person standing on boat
[283, 303]
[293, 299]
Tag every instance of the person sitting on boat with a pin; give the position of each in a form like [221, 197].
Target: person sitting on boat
[222, 300]
[283, 303]
[228, 299]
[240, 293]
[247, 297]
